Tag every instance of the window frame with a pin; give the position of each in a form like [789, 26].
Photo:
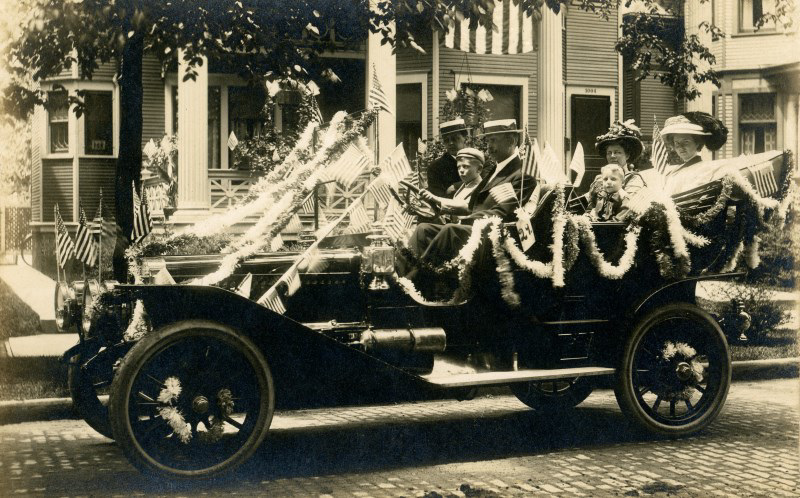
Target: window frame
[501, 80]
[776, 121]
[747, 85]
[741, 29]
[100, 86]
[421, 79]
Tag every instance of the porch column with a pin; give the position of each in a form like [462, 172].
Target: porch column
[383, 63]
[193, 191]
[551, 83]
[790, 121]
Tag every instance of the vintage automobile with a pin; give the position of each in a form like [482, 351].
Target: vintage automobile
[195, 396]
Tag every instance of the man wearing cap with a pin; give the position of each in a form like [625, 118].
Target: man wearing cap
[497, 194]
[442, 173]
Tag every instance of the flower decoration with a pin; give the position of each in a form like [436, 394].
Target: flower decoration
[451, 94]
[621, 129]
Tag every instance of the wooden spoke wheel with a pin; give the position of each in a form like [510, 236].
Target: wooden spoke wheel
[675, 371]
[193, 399]
[553, 395]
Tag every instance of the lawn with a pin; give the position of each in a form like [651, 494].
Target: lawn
[779, 343]
[16, 318]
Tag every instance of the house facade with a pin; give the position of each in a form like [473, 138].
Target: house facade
[566, 87]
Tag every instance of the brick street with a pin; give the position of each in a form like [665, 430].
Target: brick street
[490, 446]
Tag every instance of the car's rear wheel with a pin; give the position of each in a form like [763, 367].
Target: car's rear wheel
[193, 399]
[553, 395]
[675, 371]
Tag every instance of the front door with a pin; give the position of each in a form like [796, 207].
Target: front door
[590, 117]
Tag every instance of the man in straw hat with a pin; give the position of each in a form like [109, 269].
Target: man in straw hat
[443, 172]
[497, 194]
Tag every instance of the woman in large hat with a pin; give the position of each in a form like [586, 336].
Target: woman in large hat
[687, 134]
[621, 145]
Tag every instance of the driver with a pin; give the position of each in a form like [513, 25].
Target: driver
[470, 162]
[497, 194]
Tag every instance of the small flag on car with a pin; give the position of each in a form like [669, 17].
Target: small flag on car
[272, 300]
[243, 289]
[659, 156]
[292, 281]
[65, 248]
[85, 245]
[503, 193]
[142, 223]
[763, 179]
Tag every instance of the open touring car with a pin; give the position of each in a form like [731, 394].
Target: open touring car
[194, 394]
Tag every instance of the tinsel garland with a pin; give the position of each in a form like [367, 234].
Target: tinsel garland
[139, 325]
[701, 219]
[680, 352]
[606, 268]
[169, 396]
[504, 272]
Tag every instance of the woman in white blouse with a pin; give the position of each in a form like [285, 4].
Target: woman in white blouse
[687, 134]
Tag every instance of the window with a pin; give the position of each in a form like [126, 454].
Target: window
[98, 123]
[409, 117]
[505, 103]
[58, 121]
[757, 125]
[750, 11]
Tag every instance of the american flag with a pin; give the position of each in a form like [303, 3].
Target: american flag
[272, 300]
[380, 191]
[396, 167]
[85, 245]
[763, 179]
[397, 222]
[295, 225]
[578, 165]
[503, 193]
[550, 169]
[350, 165]
[65, 248]
[317, 112]
[142, 224]
[531, 166]
[377, 97]
[513, 31]
[359, 219]
[659, 156]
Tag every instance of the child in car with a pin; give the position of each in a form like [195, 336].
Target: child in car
[610, 203]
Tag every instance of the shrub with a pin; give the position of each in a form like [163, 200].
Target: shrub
[756, 300]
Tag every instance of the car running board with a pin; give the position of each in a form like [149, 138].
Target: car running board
[507, 377]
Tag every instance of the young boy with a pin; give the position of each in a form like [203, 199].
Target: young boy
[610, 203]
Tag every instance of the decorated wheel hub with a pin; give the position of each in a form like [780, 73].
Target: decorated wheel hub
[679, 371]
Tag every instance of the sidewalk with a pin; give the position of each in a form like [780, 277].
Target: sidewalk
[35, 289]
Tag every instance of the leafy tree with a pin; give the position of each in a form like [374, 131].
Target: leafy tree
[273, 39]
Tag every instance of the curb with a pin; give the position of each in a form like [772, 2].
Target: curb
[38, 410]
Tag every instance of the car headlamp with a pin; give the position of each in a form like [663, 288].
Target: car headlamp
[90, 293]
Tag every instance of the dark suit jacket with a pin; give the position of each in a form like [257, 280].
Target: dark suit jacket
[483, 204]
[441, 174]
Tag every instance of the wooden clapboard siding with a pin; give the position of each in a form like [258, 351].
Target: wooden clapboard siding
[452, 61]
[57, 188]
[36, 163]
[412, 61]
[153, 100]
[725, 105]
[105, 72]
[95, 174]
[590, 55]
[656, 100]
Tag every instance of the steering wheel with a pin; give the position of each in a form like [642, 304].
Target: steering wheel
[413, 203]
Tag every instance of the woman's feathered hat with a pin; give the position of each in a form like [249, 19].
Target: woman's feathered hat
[625, 134]
[713, 131]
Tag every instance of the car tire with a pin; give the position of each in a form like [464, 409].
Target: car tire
[210, 374]
[85, 398]
[553, 395]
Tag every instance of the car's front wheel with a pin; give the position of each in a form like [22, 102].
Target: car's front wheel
[193, 399]
[675, 371]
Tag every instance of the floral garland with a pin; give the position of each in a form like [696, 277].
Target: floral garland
[678, 352]
[504, 271]
[169, 396]
[606, 268]
[139, 325]
[701, 219]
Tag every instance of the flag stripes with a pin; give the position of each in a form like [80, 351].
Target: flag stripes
[396, 167]
[503, 193]
[659, 155]
[763, 179]
[292, 281]
[65, 248]
[550, 170]
[397, 222]
[348, 167]
[243, 289]
[377, 97]
[272, 300]
[142, 223]
[531, 166]
[359, 219]
[513, 32]
[380, 191]
[85, 245]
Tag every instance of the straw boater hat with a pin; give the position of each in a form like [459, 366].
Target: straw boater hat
[712, 130]
[626, 135]
[454, 126]
[472, 154]
[500, 126]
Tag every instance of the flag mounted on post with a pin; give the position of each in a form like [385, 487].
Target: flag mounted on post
[659, 156]
[65, 248]
[85, 245]
[377, 97]
[142, 224]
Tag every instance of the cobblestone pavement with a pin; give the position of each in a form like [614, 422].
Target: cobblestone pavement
[491, 446]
